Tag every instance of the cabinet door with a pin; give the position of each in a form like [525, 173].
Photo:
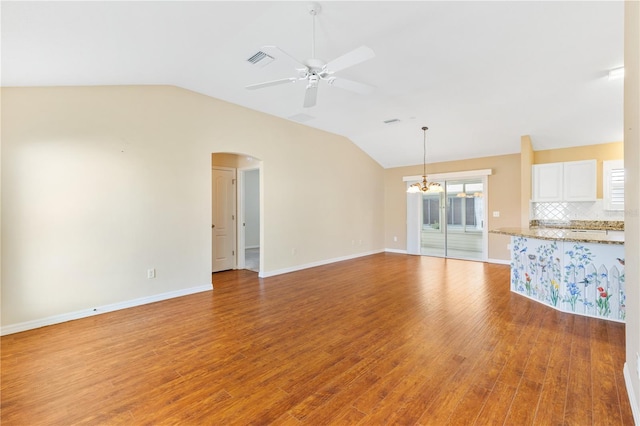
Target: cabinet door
[547, 182]
[580, 180]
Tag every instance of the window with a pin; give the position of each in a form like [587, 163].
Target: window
[431, 211]
[464, 208]
[613, 184]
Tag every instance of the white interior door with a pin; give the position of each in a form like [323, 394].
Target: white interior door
[223, 219]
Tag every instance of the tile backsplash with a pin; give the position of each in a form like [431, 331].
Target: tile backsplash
[568, 211]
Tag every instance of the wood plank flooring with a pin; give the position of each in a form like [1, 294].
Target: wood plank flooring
[379, 340]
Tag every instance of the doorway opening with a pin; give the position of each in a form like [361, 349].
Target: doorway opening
[453, 220]
[451, 223]
[236, 219]
[249, 215]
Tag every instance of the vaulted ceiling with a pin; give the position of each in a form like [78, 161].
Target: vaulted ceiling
[478, 74]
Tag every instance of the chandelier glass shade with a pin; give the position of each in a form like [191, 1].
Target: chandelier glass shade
[424, 186]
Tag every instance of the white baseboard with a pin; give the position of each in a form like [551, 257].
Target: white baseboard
[388, 250]
[268, 274]
[498, 261]
[56, 319]
[632, 396]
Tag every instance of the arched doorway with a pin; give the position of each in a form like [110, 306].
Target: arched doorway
[235, 212]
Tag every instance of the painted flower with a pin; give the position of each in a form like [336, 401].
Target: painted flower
[554, 292]
[572, 295]
[527, 283]
[604, 309]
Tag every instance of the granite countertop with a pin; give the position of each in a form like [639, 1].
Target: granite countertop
[577, 235]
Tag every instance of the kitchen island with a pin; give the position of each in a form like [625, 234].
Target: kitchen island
[575, 271]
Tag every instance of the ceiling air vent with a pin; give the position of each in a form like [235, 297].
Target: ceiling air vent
[260, 58]
[391, 121]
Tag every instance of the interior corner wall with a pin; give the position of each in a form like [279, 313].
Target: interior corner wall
[100, 184]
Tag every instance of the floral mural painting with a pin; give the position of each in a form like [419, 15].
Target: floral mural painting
[586, 279]
[548, 265]
[576, 261]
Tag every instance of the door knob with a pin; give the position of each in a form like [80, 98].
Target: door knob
[213, 226]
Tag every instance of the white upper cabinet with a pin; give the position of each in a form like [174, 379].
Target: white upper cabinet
[569, 181]
[547, 182]
[580, 180]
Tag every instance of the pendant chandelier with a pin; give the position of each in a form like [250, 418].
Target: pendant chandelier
[424, 186]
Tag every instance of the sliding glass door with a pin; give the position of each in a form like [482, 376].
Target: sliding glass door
[453, 220]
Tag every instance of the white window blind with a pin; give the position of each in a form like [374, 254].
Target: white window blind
[613, 185]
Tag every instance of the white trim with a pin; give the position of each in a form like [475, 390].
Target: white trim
[268, 274]
[485, 219]
[240, 247]
[56, 319]
[388, 250]
[631, 394]
[414, 222]
[499, 261]
[449, 176]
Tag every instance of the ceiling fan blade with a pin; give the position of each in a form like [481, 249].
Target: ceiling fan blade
[356, 56]
[354, 86]
[271, 83]
[278, 53]
[310, 96]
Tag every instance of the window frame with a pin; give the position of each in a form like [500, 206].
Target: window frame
[612, 186]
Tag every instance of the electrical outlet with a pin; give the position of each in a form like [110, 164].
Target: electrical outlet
[496, 214]
[395, 239]
[151, 273]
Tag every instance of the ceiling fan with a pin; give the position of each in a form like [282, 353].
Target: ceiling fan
[314, 70]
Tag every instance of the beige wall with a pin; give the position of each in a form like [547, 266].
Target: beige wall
[504, 196]
[600, 152]
[632, 197]
[101, 183]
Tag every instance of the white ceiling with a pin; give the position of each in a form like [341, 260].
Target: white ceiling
[479, 74]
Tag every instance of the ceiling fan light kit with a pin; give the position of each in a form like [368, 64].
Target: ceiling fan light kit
[314, 70]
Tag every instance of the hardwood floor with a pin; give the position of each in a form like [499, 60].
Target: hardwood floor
[384, 339]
